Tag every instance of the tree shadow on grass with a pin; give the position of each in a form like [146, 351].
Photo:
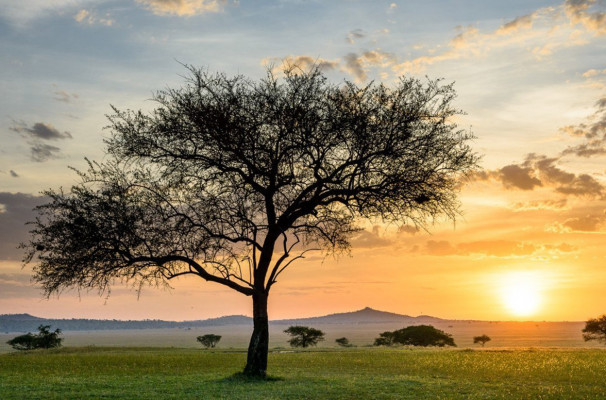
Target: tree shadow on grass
[239, 377]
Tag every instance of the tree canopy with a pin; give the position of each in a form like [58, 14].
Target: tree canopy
[209, 340]
[44, 339]
[231, 180]
[595, 329]
[482, 339]
[303, 336]
[416, 335]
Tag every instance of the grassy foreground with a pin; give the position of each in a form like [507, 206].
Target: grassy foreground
[167, 373]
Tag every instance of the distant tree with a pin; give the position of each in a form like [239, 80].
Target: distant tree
[481, 339]
[209, 340]
[232, 180]
[44, 339]
[343, 342]
[595, 329]
[416, 335]
[303, 336]
[385, 339]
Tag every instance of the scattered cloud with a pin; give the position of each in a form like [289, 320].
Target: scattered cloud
[41, 152]
[519, 177]
[370, 239]
[183, 8]
[357, 64]
[354, 35]
[540, 170]
[411, 230]
[493, 248]
[36, 134]
[353, 65]
[593, 131]
[547, 205]
[586, 224]
[580, 13]
[87, 17]
[523, 22]
[63, 96]
[40, 130]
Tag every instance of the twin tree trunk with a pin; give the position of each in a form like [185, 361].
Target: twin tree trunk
[256, 363]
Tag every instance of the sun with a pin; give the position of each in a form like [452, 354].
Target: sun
[521, 292]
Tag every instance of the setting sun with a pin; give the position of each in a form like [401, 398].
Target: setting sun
[520, 293]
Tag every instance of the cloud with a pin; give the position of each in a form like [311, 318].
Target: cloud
[412, 230]
[353, 65]
[588, 224]
[86, 17]
[354, 35]
[41, 152]
[493, 248]
[520, 177]
[440, 248]
[523, 22]
[369, 239]
[17, 209]
[547, 205]
[578, 11]
[594, 132]
[306, 63]
[357, 64]
[540, 170]
[35, 136]
[183, 8]
[41, 130]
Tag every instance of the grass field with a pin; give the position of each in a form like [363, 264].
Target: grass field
[369, 373]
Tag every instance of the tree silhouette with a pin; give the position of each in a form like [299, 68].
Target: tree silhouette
[343, 342]
[303, 336]
[595, 329]
[232, 180]
[481, 339]
[44, 339]
[416, 335]
[209, 341]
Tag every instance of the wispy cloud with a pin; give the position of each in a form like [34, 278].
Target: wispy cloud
[36, 135]
[183, 8]
[89, 17]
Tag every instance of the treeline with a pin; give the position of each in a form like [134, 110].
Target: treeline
[27, 323]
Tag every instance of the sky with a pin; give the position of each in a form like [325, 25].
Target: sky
[530, 75]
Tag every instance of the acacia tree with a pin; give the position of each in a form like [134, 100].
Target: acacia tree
[595, 329]
[483, 339]
[232, 180]
[304, 336]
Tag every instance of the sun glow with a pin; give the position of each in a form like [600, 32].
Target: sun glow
[521, 292]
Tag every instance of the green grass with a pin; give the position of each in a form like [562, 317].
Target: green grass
[170, 373]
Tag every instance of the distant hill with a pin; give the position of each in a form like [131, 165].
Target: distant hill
[365, 316]
[27, 322]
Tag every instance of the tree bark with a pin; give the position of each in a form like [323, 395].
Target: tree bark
[256, 363]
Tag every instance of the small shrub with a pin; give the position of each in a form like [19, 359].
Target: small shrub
[45, 339]
[343, 342]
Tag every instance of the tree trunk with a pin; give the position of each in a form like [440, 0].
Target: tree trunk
[256, 363]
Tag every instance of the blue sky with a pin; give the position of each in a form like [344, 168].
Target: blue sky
[530, 75]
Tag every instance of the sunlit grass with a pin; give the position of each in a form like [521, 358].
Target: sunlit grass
[142, 373]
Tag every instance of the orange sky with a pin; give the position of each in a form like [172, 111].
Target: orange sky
[531, 77]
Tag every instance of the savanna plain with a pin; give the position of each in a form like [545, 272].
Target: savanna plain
[140, 365]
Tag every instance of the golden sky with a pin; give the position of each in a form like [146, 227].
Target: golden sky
[530, 75]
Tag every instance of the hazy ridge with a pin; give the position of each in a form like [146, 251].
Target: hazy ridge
[27, 322]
